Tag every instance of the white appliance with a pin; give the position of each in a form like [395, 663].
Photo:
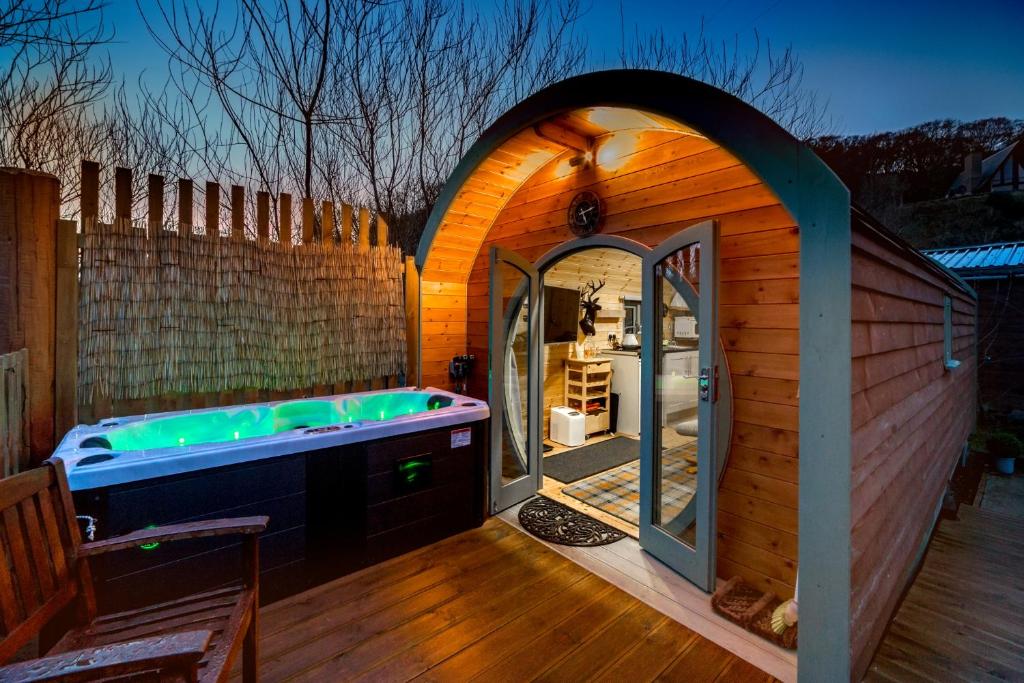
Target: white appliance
[568, 426]
[626, 383]
[684, 327]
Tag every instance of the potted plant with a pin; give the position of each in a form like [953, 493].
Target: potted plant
[1005, 448]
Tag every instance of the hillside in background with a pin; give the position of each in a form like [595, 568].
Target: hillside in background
[902, 178]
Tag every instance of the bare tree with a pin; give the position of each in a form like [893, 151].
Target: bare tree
[413, 106]
[770, 80]
[51, 84]
[368, 102]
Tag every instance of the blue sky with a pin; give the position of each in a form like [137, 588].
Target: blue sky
[879, 65]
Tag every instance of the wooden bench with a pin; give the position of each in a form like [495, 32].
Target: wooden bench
[44, 572]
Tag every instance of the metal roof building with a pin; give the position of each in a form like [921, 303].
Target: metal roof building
[982, 261]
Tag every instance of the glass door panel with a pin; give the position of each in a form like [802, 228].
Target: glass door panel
[514, 380]
[678, 468]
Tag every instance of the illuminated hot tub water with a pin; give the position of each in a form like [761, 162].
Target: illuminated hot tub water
[249, 422]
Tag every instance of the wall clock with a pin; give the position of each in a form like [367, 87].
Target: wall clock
[585, 214]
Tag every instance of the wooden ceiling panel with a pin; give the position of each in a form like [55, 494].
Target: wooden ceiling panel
[620, 271]
[494, 185]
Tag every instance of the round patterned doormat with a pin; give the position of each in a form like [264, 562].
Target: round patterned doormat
[553, 522]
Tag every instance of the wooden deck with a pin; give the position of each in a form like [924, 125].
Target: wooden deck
[489, 604]
[962, 618]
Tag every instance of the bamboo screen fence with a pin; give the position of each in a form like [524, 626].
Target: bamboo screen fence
[14, 450]
[175, 312]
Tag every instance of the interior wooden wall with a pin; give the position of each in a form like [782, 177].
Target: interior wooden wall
[657, 183]
[911, 417]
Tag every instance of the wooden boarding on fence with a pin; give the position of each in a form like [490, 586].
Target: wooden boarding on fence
[14, 447]
[182, 318]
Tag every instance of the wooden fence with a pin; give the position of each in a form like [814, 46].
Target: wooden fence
[14, 439]
[369, 323]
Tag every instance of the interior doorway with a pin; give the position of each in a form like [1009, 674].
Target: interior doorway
[592, 327]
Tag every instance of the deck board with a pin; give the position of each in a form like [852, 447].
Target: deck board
[627, 566]
[489, 604]
[960, 620]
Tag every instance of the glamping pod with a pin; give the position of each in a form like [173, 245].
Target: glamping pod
[790, 383]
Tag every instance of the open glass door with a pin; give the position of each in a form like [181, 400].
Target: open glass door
[679, 389]
[514, 372]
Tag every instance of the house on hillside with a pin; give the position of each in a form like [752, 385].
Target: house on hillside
[996, 272]
[1000, 172]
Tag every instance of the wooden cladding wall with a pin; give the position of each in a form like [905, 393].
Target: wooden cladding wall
[658, 184]
[911, 417]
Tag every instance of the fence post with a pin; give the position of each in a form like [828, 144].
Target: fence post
[14, 393]
[185, 207]
[346, 223]
[327, 223]
[364, 229]
[66, 380]
[123, 198]
[29, 210]
[89, 217]
[263, 216]
[412, 322]
[237, 212]
[285, 207]
[90, 214]
[307, 220]
[156, 205]
[212, 209]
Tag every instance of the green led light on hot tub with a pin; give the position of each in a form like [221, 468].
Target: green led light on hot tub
[411, 470]
[150, 546]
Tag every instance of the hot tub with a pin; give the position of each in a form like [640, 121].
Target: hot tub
[129, 449]
[347, 481]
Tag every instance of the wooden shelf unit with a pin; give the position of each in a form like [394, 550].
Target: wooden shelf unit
[588, 380]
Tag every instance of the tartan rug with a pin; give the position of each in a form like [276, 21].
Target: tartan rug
[617, 491]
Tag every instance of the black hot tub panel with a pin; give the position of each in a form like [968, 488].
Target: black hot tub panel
[332, 511]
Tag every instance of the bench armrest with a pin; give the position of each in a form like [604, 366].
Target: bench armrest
[176, 532]
[176, 652]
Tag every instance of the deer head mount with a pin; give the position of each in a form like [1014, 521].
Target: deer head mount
[588, 302]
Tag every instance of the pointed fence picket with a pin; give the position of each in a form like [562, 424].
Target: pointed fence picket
[171, 319]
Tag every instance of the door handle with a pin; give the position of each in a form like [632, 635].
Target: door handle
[707, 383]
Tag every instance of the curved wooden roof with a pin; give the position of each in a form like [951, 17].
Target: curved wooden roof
[589, 112]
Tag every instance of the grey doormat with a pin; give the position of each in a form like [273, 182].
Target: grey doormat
[553, 522]
[587, 461]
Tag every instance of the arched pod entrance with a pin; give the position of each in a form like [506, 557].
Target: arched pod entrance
[670, 153]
